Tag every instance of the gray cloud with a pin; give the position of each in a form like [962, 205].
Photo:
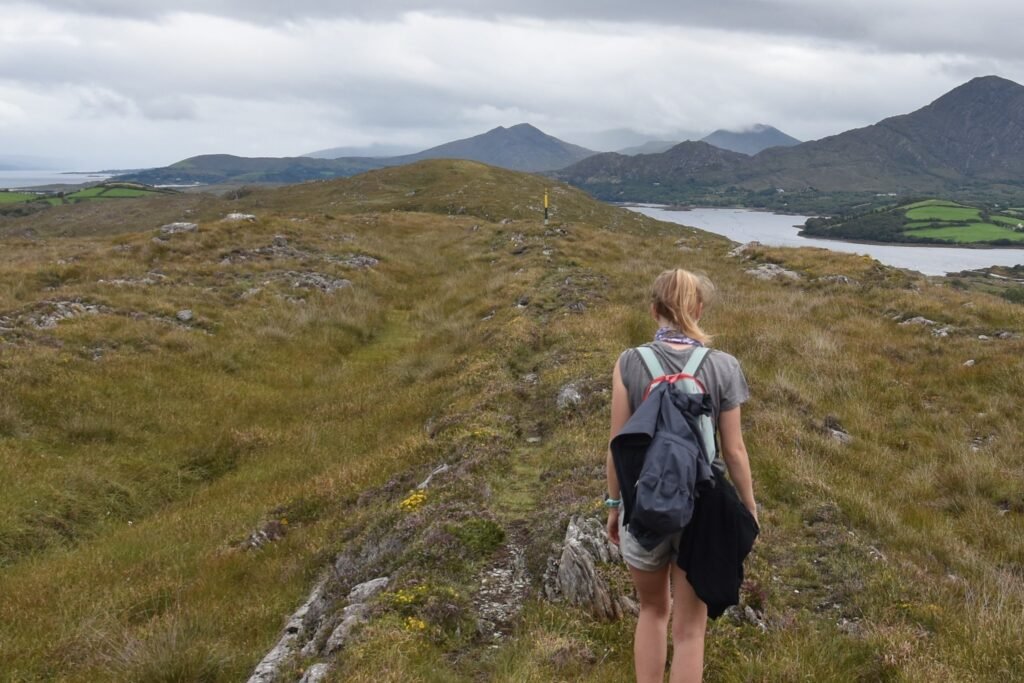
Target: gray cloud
[988, 27]
[169, 108]
[261, 78]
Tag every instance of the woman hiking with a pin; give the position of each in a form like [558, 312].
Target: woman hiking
[678, 298]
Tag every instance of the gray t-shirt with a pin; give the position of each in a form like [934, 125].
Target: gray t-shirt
[720, 373]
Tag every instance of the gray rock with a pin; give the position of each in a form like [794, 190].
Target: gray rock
[969, 363]
[839, 279]
[919, 320]
[360, 261]
[574, 577]
[299, 625]
[316, 673]
[368, 589]
[352, 617]
[49, 313]
[312, 280]
[240, 217]
[569, 397]
[746, 615]
[185, 315]
[176, 228]
[771, 271]
[840, 436]
[742, 249]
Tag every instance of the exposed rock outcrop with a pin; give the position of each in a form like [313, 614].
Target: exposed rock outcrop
[575, 577]
[176, 228]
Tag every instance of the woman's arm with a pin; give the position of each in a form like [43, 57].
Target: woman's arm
[734, 452]
[620, 415]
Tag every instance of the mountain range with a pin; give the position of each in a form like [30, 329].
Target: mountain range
[749, 141]
[521, 148]
[971, 136]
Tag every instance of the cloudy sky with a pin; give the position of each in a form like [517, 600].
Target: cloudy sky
[134, 83]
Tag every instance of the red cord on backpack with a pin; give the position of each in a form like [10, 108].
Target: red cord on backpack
[673, 379]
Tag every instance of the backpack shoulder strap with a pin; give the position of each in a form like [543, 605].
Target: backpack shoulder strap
[707, 428]
[651, 361]
[696, 358]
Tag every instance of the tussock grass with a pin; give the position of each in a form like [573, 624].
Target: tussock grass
[138, 452]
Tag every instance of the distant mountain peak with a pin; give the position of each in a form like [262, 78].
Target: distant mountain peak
[750, 140]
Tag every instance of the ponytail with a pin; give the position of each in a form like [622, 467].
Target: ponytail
[678, 297]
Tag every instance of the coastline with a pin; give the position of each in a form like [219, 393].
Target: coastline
[694, 207]
[949, 245]
[771, 229]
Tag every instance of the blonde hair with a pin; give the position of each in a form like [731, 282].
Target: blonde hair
[678, 297]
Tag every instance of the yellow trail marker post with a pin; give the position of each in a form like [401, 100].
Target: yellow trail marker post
[545, 207]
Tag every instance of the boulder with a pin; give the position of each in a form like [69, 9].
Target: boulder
[240, 217]
[771, 271]
[742, 249]
[368, 589]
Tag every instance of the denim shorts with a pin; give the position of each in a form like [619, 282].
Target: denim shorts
[638, 557]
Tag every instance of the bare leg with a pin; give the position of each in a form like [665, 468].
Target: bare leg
[689, 622]
[649, 642]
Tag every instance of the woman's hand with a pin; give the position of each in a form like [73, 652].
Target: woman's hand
[612, 527]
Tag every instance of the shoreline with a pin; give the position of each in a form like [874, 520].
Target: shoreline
[933, 245]
[800, 233]
[683, 209]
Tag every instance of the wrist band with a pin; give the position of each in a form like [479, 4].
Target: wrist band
[612, 502]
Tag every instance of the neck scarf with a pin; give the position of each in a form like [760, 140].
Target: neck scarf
[668, 334]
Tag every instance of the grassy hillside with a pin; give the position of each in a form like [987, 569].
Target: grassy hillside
[935, 221]
[306, 392]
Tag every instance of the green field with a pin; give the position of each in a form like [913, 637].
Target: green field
[113, 190]
[972, 232]
[16, 197]
[122, 192]
[943, 213]
[1008, 220]
[951, 222]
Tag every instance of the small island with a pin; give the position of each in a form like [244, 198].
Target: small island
[930, 221]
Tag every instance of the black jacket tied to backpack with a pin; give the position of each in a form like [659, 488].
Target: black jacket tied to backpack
[661, 464]
[714, 545]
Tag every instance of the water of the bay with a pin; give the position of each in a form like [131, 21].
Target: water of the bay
[16, 179]
[744, 225]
